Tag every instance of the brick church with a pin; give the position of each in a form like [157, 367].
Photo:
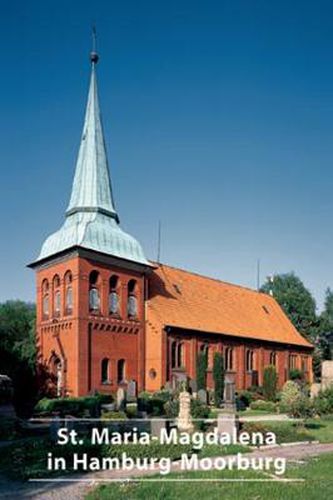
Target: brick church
[106, 315]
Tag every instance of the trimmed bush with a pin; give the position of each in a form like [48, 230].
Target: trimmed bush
[296, 374]
[77, 407]
[262, 405]
[270, 383]
[294, 402]
[201, 370]
[218, 375]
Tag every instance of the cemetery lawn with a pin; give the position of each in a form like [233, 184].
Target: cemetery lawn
[317, 473]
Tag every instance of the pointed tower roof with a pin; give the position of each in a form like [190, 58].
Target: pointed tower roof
[91, 218]
[92, 185]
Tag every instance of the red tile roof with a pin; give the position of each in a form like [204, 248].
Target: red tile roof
[186, 300]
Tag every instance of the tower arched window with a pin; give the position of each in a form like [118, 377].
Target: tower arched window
[45, 299]
[94, 292]
[132, 302]
[229, 359]
[56, 296]
[105, 371]
[68, 293]
[113, 295]
[121, 375]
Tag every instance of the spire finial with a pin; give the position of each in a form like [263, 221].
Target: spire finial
[93, 54]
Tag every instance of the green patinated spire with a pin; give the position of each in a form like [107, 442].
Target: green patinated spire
[92, 190]
[91, 219]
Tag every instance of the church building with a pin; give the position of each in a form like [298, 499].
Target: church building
[107, 316]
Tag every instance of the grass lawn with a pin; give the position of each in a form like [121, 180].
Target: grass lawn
[317, 474]
[314, 430]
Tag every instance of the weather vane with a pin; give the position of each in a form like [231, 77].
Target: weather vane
[93, 54]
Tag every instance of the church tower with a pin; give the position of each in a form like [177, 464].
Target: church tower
[91, 280]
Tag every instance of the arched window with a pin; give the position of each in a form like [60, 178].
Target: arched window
[56, 296]
[132, 303]
[68, 293]
[180, 354]
[229, 359]
[105, 375]
[113, 295]
[249, 360]
[292, 361]
[94, 293]
[272, 358]
[45, 299]
[121, 371]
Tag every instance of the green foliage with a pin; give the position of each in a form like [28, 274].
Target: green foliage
[18, 352]
[155, 449]
[295, 401]
[218, 375]
[270, 383]
[245, 397]
[323, 403]
[296, 374]
[262, 405]
[113, 415]
[7, 428]
[296, 301]
[201, 370]
[77, 407]
[285, 432]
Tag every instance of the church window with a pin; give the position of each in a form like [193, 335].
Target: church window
[105, 366]
[45, 299]
[113, 295]
[177, 354]
[94, 293]
[272, 358]
[121, 371]
[56, 296]
[249, 360]
[229, 359]
[68, 293]
[132, 304]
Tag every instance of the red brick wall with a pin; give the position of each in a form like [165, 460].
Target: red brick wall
[112, 338]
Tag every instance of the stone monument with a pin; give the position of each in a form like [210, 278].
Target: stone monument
[326, 374]
[184, 419]
[121, 398]
[229, 394]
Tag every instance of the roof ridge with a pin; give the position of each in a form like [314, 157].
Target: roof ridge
[242, 287]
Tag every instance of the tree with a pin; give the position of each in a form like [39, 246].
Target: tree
[201, 370]
[18, 352]
[218, 375]
[296, 301]
[270, 383]
[324, 340]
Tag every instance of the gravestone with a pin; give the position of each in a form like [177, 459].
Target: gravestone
[156, 425]
[121, 398]
[229, 394]
[326, 374]
[131, 391]
[193, 386]
[184, 420]
[227, 422]
[202, 396]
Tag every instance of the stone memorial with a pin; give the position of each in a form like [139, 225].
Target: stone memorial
[121, 399]
[326, 374]
[156, 425]
[227, 422]
[184, 419]
[314, 390]
[131, 391]
[193, 386]
[202, 396]
[229, 394]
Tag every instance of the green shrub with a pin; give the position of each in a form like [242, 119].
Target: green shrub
[7, 427]
[201, 370]
[262, 405]
[285, 432]
[113, 415]
[294, 402]
[245, 397]
[270, 383]
[77, 407]
[218, 375]
[155, 449]
[296, 374]
[323, 403]
[256, 392]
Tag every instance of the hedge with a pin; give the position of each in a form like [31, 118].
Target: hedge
[77, 407]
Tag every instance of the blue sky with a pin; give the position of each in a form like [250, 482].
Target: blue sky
[218, 121]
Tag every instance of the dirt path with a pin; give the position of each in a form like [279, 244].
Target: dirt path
[78, 489]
